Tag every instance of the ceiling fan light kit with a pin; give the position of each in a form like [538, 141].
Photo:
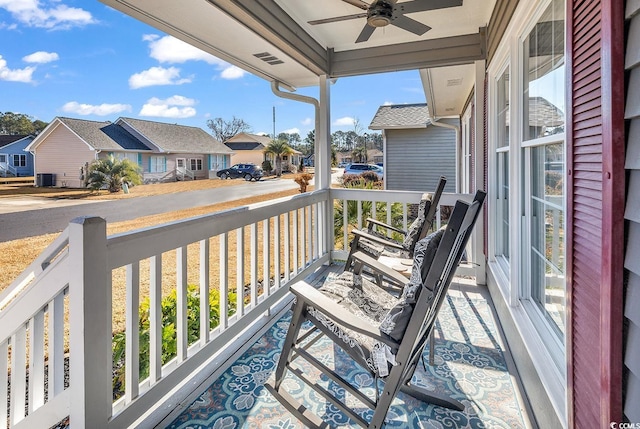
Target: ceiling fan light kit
[380, 15]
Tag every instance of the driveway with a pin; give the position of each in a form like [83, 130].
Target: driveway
[24, 217]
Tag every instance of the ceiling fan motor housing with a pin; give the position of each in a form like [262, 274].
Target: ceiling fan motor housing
[380, 13]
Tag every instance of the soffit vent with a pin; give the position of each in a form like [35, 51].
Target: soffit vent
[268, 58]
[454, 82]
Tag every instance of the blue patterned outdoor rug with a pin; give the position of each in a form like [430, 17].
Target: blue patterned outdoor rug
[469, 366]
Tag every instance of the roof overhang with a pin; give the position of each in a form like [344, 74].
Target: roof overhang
[274, 39]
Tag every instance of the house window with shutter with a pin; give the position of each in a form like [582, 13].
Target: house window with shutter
[157, 164]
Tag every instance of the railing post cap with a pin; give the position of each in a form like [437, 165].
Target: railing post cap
[87, 220]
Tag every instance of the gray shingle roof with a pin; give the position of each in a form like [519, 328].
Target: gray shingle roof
[7, 139]
[401, 116]
[104, 135]
[244, 145]
[176, 138]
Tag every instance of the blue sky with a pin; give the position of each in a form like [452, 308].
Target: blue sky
[82, 59]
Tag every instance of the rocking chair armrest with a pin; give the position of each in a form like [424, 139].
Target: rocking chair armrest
[380, 268]
[372, 222]
[313, 297]
[358, 233]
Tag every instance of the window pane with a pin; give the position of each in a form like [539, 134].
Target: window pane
[544, 66]
[547, 233]
[503, 205]
[503, 109]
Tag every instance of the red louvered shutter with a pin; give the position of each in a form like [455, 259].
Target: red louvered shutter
[595, 198]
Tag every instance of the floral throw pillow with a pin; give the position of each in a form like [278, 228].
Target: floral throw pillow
[413, 233]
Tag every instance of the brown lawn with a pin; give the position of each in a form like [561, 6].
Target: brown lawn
[16, 255]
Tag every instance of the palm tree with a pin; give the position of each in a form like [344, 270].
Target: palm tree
[278, 148]
[112, 174]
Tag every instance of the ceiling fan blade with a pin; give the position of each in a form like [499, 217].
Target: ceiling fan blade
[337, 19]
[366, 32]
[410, 25]
[423, 5]
[357, 3]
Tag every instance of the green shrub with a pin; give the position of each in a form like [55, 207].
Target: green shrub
[169, 306]
[267, 167]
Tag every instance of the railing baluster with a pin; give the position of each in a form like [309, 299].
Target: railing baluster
[18, 374]
[316, 230]
[254, 264]
[132, 321]
[4, 371]
[36, 361]
[276, 252]
[224, 281]
[55, 375]
[181, 286]
[266, 257]
[204, 292]
[308, 214]
[155, 318]
[359, 214]
[345, 225]
[302, 218]
[287, 246]
[296, 240]
[389, 205]
[240, 271]
[405, 211]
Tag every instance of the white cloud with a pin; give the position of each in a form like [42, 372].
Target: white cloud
[168, 49]
[347, 120]
[157, 76]
[262, 133]
[176, 106]
[41, 57]
[292, 131]
[232, 72]
[306, 121]
[15, 75]
[388, 103]
[99, 110]
[53, 15]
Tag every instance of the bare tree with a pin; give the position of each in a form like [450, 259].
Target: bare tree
[223, 130]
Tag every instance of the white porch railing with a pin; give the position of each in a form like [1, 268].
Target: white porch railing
[65, 301]
[182, 172]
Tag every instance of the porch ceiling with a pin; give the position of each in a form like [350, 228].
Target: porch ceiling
[237, 30]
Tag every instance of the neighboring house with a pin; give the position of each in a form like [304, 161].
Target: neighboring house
[164, 152]
[14, 161]
[249, 148]
[416, 152]
[177, 150]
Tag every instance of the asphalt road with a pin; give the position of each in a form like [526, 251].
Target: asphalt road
[47, 219]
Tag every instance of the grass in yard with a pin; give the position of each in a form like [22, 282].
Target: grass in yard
[16, 255]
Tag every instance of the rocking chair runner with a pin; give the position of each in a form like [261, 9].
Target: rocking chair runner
[366, 334]
[373, 242]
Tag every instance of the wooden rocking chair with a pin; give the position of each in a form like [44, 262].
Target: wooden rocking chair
[383, 334]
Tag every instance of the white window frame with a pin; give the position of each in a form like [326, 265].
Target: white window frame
[550, 366]
[22, 160]
[131, 156]
[198, 164]
[157, 164]
[5, 156]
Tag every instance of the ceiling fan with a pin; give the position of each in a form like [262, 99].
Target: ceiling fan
[381, 13]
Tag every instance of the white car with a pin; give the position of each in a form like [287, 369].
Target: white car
[362, 168]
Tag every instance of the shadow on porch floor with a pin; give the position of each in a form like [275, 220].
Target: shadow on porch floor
[472, 365]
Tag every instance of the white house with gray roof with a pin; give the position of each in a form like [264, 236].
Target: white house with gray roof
[416, 152]
[164, 152]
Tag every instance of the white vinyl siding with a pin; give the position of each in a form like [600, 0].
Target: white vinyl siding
[416, 158]
[632, 215]
[62, 153]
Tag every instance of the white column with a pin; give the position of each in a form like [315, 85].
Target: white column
[323, 158]
[90, 324]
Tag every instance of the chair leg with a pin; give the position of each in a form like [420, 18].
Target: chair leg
[353, 247]
[292, 334]
[430, 397]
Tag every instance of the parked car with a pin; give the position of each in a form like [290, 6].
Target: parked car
[343, 164]
[362, 168]
[246, 171]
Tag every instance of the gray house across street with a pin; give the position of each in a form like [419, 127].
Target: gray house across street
[164, 152]
[417, 151]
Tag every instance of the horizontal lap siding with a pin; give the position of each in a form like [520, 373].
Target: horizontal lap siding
[416, 158]
[63, 154]
[594, 249]
[632, 215]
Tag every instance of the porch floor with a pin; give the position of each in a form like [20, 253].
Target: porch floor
[471, 364]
